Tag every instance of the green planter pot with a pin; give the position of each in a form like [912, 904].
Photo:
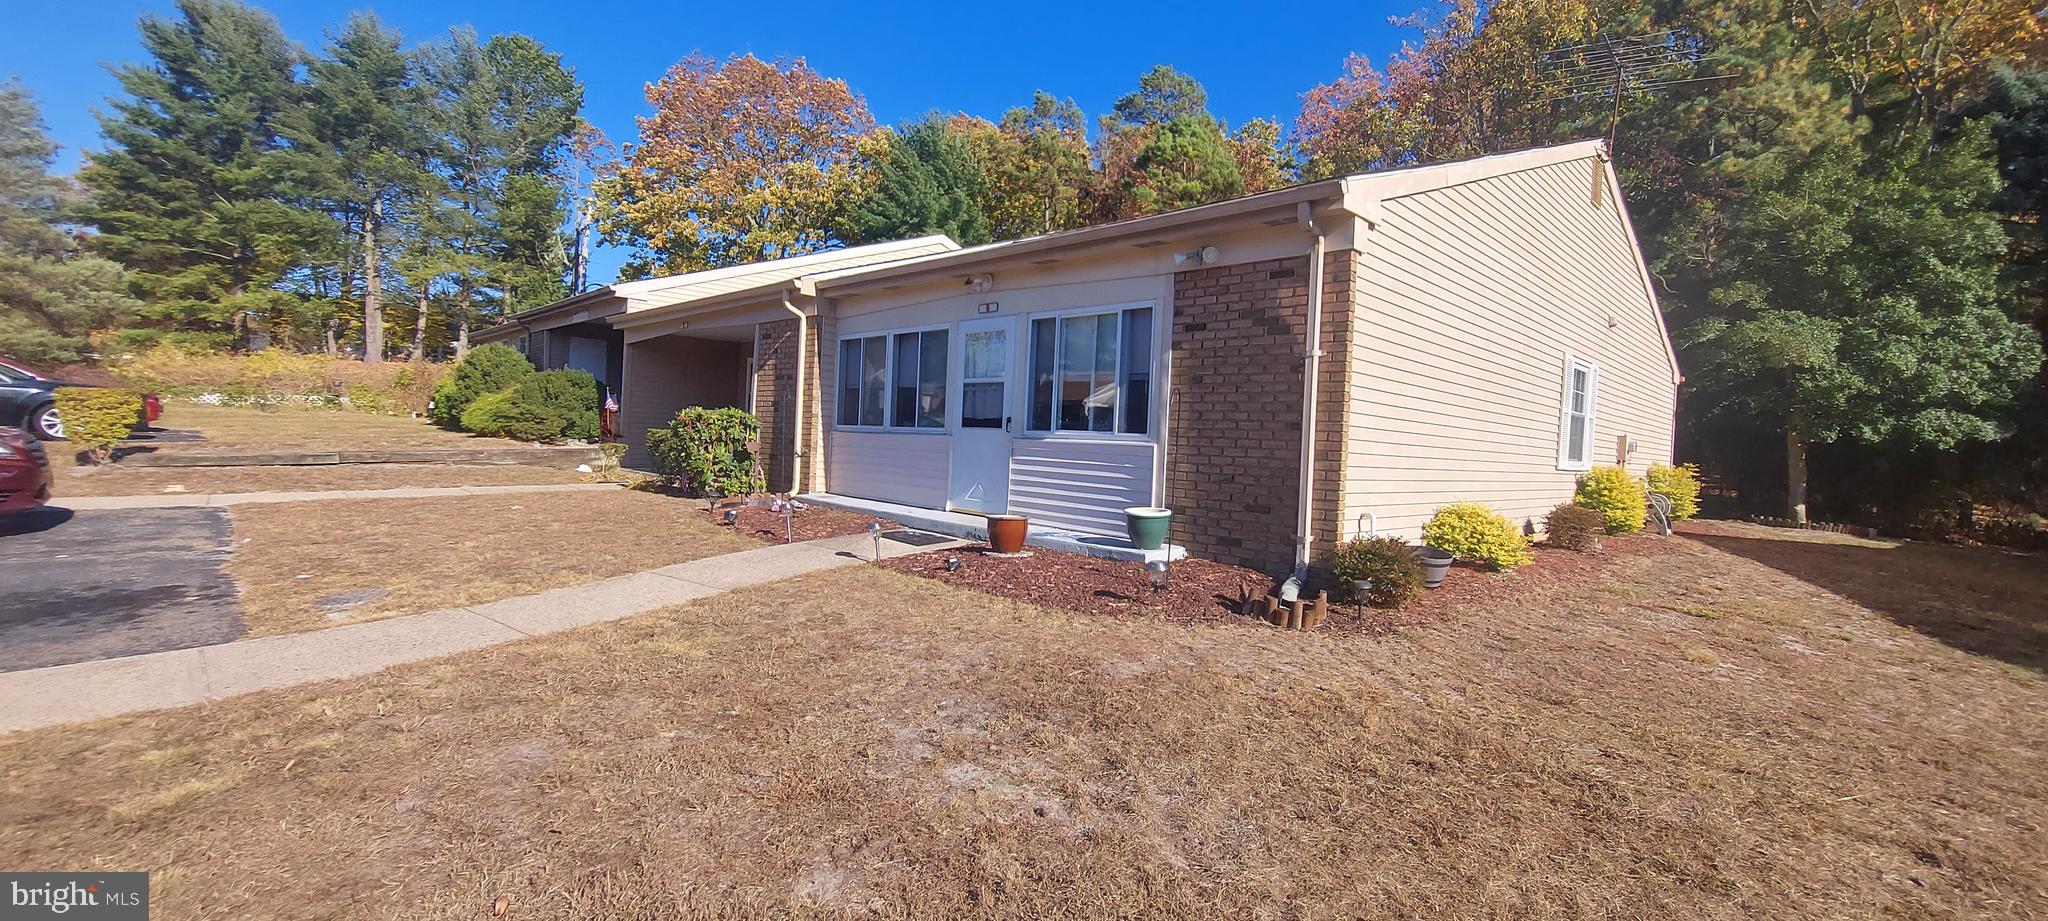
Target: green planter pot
[1147, 526]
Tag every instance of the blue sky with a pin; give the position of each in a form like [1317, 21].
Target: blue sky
[981, 58]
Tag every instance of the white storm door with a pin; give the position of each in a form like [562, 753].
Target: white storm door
[980, 479]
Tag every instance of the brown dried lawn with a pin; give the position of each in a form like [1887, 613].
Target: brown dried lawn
[115, 480]
[1719, 731]
[241, 428]
[292, 558]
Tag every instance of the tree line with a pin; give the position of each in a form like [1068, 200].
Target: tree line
[363, 195]
[1840, 201]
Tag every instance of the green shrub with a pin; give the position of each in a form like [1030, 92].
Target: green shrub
[1387, 562]
[709, 450]
[1619, 498]
[1573, 527]
[486, 369]
[1472, 531]
[256, 377]
[1681, 484]
[550, 406]
[364, 398]
[98, 418]
[483, 414]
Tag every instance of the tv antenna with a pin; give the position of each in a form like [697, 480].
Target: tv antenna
[1617, 65]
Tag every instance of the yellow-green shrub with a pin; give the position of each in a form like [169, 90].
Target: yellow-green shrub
[1472, 531]
[1618, 497]
[98, 418]
[1681, 484]
[281, 375]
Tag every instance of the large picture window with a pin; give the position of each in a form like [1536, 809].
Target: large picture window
[1092, 372]
[896, 380]
[1575, 414]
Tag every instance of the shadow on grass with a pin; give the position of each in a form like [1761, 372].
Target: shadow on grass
[1981, 601]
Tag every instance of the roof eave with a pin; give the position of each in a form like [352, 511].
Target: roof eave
[859, 279]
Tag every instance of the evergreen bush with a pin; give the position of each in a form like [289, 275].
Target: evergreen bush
[1472, 531]
[1387, 562]
[709, 450]
[1573, 527]
[98, 418]
[485, 370]
[1618, 497]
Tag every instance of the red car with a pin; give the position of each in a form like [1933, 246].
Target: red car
[24, 472]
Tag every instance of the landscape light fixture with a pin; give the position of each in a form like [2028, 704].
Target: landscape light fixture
[732, 518]
[1359, 589]
[1158, 571]
[875, 531]
[952, 564]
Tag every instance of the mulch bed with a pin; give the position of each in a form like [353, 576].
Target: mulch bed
[1207, 591]
[812, 523]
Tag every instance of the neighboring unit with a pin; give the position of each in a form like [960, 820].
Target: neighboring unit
[1279, 369]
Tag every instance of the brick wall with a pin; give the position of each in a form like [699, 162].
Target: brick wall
[774, 380]
[1234, 452]
[665, 374]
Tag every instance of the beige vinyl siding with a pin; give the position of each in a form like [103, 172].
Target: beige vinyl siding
[1082, 486]
[1469, 299]
[907, 468]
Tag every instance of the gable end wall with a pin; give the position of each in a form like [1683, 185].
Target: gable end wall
[1468, 299]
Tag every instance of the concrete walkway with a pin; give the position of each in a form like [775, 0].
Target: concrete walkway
[108, 687]
[215, 500]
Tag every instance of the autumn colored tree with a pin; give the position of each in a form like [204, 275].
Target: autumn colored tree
[1037, 166]
[1160, 149]
[1262, 158]
[742, 160]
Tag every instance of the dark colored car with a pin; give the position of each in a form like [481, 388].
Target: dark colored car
[24, 472]
[29, 400]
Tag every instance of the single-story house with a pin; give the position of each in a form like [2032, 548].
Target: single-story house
[584, 331]
[1283, 370]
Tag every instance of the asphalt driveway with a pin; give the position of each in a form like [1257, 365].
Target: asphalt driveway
[78, 586]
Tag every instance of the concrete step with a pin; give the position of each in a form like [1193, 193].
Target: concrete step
[974, 527]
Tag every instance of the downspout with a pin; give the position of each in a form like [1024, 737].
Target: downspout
[796, 438]
[1311, 365]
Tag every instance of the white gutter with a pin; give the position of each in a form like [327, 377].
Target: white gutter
[803, 338]
[1311, 365]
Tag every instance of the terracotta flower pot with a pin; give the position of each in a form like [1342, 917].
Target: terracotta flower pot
[1006, 533]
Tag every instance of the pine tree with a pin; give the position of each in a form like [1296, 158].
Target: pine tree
[503, 113]
[51, 295]
[191, 195]
[360, 154]
[1186, 162]
[1859, 297]
[930, 180]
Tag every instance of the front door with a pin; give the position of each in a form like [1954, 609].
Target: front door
[981, 429]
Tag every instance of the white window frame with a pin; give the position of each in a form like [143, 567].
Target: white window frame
[888, 337]
[1059, 345]
[1573, 364]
